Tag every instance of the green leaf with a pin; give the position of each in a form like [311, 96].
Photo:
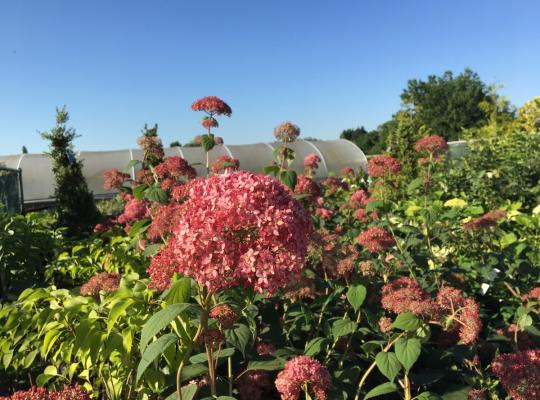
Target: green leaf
[268, 365]
[154, 350]
[48, 342]
[160, 320]
[156, 194]
[138, 191]
[202, 357]
[131, 164]
[427, 396]
[47, 374]
[188, 392]
[193, 370]
[507, 239]
[414, 184]
[457, 393]
[288, 178]
[356, 296]
[407, 322]
[315, 346]
[385, 388]
[271, 170]
[207, 142]
[343, 327]
[239, 337]
[30, 357]
[408, 351]
[179, 292]
[374, 205]
[138, 227]
[388, 364]
[117, 310]
[151, 249]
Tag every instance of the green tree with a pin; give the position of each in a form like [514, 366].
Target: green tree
[176, 143]
[367, 141]
[75, 206]
[448, 104]
[24, 150]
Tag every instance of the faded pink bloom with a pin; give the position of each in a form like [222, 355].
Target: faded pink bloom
[324, 213]
[134, 210]
[218, 140]
[165, 218]
[175, 168]
[113, 179]
[104, 281]
[236, 229]
[486, 221]
[385, 324]
[533, 295]
[433, 144]
[303, 371]
[287, 132]
[307, 186]
[519, 374]
[40, 393]
[405, 295]
[225, 163]
[253, 385]
[209, 122]
[347, 171]
[265, 349]
[383, 165]
[476, 394]
[376, 239]
[225, 314]
[311, 161]
[359, 199]
[462, 314]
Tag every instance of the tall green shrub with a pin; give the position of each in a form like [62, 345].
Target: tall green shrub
[74, 202]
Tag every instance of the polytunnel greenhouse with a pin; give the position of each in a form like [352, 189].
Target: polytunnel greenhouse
[38, 179]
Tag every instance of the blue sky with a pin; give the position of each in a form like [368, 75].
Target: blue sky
[325, 65]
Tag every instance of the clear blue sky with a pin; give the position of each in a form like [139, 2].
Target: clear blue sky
[325, 65]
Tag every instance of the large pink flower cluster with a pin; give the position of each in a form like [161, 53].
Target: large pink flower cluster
[301, 372]
[212, 105]
[434, 144]
[519, 374]
[376, 239]
[165, 218]
[134, 210]
[236, 229]
[307, 186]
[382, 166]
[40, 393]
[405, 295]
[175, 168]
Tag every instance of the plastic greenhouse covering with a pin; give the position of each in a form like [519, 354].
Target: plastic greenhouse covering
[38, 179]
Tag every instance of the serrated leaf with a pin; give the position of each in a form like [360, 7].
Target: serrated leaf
[385, 388]
[138, 191]
[408, 351]
[130, 165]
[207, 142]
[160, 320]
[356, 296]
[288, 178]
[156, 194]
[154, 350]
[388, 364]
[407, 322]
[151, 249]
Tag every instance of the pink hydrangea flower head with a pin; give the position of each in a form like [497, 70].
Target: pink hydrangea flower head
[209, 122]
[519, 374]
[476, 394]
[433, 144]
[165, 218]
[104, 281]
[307, 186]
[381, 166]
[533, 295]
[311, 161]
[358, 199]
[212, 105]
[265, 349]
[225, 314]
[236, 229]
[225, 163]
[376, 239]
[405, 295]
[174, 167]
[299, 372]
[40, 393]
[113, 179]
[385, 324]
[463, 313]
[347, 171]
[324, 213]
[134, 210]
[218, 140]
[253, 385]
[287, 132]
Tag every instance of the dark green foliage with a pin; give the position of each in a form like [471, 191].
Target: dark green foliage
[369, 141]
[176, 143]
[24, 150]
[447, 104]
[74, 202]
[500, 169]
